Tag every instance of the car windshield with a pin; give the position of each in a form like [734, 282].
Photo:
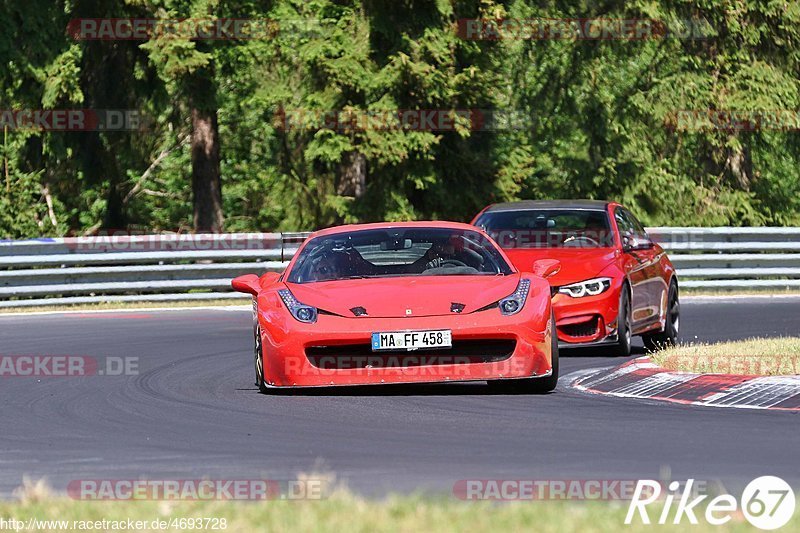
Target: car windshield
[396, 252]
[548, 228]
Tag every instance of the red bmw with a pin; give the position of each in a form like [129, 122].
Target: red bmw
[403, 303]
[614, 282]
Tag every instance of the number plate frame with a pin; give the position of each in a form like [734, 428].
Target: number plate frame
[416, 342]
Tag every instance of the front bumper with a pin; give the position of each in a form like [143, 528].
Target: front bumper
[288, 345]
[587, 321]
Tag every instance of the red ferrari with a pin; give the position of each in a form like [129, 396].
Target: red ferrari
[615, 282]
[403, 303]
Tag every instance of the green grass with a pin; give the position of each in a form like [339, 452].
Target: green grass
[758, 356]
[346, 512]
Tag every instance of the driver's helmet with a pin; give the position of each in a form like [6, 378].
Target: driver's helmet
[332, 266]
[442, 249]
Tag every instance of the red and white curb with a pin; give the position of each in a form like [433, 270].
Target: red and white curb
[641, 378]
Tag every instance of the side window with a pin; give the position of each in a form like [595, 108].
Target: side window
[628, 222]
[623, 223]
[637, 226]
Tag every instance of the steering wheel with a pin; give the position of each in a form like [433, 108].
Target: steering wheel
[575, 238]
[448, 263]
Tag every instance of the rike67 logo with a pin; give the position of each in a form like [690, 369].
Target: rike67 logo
[768, 503]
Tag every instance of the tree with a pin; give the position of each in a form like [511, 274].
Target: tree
[188, 68]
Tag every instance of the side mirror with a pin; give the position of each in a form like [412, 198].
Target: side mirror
[645, 244]
[268, 278]
[631, 243]
[627, 242]
[546, 267]
[247, 284]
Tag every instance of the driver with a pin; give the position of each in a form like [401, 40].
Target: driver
[435, 256]
[330, 267]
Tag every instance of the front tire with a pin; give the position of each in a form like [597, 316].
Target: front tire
[672, 324]
[259, 363]
[624, 325]
[534, 385]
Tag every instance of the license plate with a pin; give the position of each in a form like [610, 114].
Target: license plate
[411, 340]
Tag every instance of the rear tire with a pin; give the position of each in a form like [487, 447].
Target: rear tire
[624, 326]
[534, 385]
[259, 363]
[669, 335]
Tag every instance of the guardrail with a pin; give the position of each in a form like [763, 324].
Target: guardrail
[173, 267]
[733, 258]
[140, 268]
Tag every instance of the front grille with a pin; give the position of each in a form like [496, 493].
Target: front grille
[352, 356]
[582, 329]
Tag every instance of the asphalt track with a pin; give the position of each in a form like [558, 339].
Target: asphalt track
[193, 412]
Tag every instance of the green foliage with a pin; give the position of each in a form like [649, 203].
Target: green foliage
[601, 114]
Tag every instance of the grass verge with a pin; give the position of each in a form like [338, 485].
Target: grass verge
[343, 511]
[753, 357]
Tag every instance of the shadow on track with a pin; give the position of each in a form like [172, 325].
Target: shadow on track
[476, 388]
[636, 351]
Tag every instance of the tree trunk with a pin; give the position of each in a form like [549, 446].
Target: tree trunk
[352, 175]
[206, 181]
[741, 167]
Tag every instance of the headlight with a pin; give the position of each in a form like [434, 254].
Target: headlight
[511, 305]
[302, 312]
[590, 287]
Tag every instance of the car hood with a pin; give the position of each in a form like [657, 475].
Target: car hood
[392, 297]
[577, 264]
